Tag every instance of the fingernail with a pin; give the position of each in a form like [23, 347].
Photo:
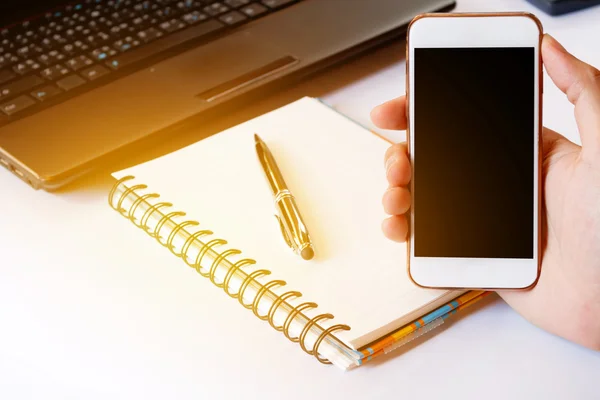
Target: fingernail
[389, 162]
[374, 112]
[556, 44]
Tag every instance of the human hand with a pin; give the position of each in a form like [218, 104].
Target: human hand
[566, 299]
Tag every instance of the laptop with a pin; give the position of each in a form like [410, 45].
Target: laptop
[83, 82]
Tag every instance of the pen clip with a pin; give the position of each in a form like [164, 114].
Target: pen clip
[284, 233]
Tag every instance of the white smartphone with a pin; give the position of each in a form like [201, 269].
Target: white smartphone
[474, 122]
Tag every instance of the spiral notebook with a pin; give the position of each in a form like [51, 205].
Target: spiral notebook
[210, 206]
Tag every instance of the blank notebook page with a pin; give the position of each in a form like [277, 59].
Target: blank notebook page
[335, 169]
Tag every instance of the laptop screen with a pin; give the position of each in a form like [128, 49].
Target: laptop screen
[13, 11]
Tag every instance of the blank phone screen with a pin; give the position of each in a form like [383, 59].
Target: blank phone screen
[473, 154]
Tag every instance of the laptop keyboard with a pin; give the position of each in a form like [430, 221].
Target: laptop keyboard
[65, 52]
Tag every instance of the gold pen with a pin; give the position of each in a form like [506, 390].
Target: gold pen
[291, 223]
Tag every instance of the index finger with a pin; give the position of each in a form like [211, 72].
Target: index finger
[390, 115]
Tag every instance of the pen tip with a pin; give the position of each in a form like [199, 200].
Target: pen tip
[257, 138]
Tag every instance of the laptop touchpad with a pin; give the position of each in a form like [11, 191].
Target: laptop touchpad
[227, 65]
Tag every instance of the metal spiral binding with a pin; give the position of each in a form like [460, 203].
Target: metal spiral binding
[177, 229]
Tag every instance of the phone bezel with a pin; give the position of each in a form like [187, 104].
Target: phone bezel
[477, 30]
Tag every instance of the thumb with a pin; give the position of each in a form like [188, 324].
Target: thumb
[581, 83]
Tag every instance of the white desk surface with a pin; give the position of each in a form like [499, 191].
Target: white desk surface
[81, 317]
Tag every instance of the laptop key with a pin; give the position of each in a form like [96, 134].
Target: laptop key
[103, 53]
[233, 17]
[168, 26]
[21, 40]
[21, 86]
[47, 43]
[96, 39]
[126, 44]
[70, 33]
[16, 105]
[216, 9]
[46, 92]
[172, 25]
[31, 34]
[35, 50]
[80, 46]
[149, 34]
[138, 22]
[79, 62]
[26, 66]
[45, 59]
[69, 50]
[56, 56]
[70, 82]
[276, 3]
[59, 40]
[254, 10]
[194, 17]
[23, 51]
[236, 3]
[22, 68]
[48, 59]
[55, 72]
[94, 72]
[33, 64]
